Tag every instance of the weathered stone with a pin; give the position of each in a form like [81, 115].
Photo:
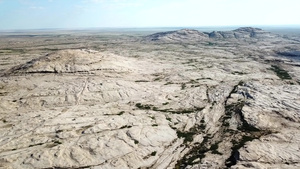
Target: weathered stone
[186, 100]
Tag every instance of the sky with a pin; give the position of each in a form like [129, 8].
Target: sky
[70, 14]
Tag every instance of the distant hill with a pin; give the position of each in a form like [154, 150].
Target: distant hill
[194, 35]
[183, 34]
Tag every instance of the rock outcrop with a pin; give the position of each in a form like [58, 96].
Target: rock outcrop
[190, 35]
[241, 33]
[69, 61]
[180, 35]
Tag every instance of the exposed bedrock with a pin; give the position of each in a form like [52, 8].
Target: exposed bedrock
[156, 105]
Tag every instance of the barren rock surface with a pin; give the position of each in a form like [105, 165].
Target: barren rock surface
[180, 99]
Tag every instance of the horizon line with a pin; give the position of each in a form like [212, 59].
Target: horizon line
[145, 27]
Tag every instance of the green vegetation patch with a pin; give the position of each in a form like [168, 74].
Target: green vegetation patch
[214, 148]
[188, 136]
[169, 83]
[202, 124]
[178, 111]
[186, 111]
[153, 153]
[145, 106]
[35, 144]
[59, 131]
[138, 81]
[238, 73]
[126, 126]
[120, 113]
[236, 109]
[281, 73]
[197, 152]
[57, 142]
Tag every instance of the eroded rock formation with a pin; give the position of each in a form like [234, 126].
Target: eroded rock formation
[213, 104]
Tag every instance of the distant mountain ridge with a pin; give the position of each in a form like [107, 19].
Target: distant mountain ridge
[183, 34]
[195, 35]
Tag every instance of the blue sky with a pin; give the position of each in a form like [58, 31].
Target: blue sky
[36, 14]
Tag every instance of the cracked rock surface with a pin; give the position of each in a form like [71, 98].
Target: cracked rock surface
[180, 99]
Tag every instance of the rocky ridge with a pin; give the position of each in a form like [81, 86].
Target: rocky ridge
[180, 35]
[190, 35]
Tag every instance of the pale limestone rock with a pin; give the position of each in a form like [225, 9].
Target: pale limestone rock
[154, 105]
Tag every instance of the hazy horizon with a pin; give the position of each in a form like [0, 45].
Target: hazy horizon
[122, 14]
[153, 29]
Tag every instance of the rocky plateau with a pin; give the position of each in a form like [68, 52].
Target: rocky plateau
[177, 99]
